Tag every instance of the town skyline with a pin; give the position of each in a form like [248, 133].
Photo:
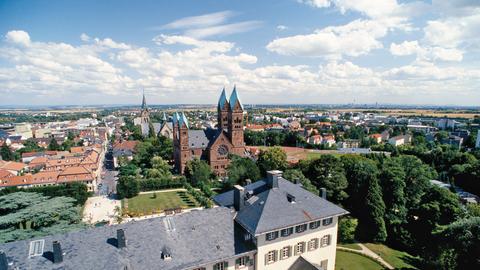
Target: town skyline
[391, 52]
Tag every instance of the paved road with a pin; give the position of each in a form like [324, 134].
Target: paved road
[108, 180]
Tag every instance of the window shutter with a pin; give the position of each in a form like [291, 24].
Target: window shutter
[225, 265]
[275, 255]
[295, 251]
[266, 258]
[237, 261]
[247, 259]
[289, 251]
[328, 239]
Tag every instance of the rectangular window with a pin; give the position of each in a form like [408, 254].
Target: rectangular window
[301, 228]
[299, 248]
[327, 221]
[271, 236]
[313, 244]
[271, 257]
[286, 232]
[220, 266]
[324, 264]
[285, 252]
[314, 225]
[325, 240]
[241, 262]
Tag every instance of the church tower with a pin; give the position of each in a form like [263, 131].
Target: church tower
[145, 113]
[222, 111]
[180, 141]
[235, 122]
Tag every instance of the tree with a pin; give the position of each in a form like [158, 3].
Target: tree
[6, 153]
[327, 172]
[417, 179]
[241, 169]
[198, 172]
[127, 187]
[26, 214]
[460, 241]
[296, 176]
[392, 180]
[53, 145]
[160, 168]
[347, 227]
[273, 158]
[371, 222]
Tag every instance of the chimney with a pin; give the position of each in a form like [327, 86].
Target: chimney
[248, 181]
[323, 193]
[238, 197]
[3, 261]
[272, 178]
[57, 252]
[290, 198]
[121, 241]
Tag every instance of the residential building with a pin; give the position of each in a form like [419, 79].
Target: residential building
[125, 150]
[269, 224]
[477, 142]
[13, 167]
[454, 141]
[397, 140]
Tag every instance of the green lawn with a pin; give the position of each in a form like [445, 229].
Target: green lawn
[351, 246]
[351, 261]
[398, 259]
[144, 204]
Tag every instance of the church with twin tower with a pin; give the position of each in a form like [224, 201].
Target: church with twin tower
[211, 145]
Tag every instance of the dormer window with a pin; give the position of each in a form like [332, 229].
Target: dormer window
[271, 236]
[166, 254]
[314, 225]
[301, 228]
[327, 221]
[286, 232]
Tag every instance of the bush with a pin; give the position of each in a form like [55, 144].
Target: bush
[76, 190]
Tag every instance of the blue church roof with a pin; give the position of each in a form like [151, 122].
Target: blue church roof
[223, 99]
[234, 98]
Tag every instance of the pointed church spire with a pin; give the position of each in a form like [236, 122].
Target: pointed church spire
[144, 101]
[223, 99]
[183, 120]
[234, 98]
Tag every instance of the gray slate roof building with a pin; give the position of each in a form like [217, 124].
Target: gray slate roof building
[269, 209]
[192, 239]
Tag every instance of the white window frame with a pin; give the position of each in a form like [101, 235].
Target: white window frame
[285, 252]
[313, 244]
[300, 248]
[271, 258]
[219, 266]
[315, 225]
[304, 226]
[327, 221]
[271, 236]
[325, 241]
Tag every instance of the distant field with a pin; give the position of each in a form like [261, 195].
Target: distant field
[144, 204]
[351, 261]
[429, 113]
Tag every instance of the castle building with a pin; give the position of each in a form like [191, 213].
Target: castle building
[271, 224]
[210, 144]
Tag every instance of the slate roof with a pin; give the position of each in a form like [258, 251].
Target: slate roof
[302, 264]
[234, 98]
[202, 138]
[268, 209]
[223, 99]
[197, 238]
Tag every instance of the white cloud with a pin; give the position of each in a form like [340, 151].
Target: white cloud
[316, 3]
[200, 21]
[225, 29]
[454, 31]
[405, 48]
[18, 37]
[195, 73]
[212, 24]
[281, 27]
[426, 53]
[84, 37]
[353, 39]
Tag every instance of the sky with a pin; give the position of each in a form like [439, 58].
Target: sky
[274, 51]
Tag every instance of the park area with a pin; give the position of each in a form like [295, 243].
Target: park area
[157, 202]
[348, 261]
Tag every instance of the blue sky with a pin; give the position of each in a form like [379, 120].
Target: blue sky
[290, 51]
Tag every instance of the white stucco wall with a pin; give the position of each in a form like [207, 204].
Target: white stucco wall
[315, 256]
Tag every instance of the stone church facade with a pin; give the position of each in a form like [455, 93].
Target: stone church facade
[211, 145]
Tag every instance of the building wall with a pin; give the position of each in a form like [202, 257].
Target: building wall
[315, 256]
[232, 265]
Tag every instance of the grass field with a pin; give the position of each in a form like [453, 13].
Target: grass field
[352, 246]
[148, 203]
[351, 261]
[398, 259]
